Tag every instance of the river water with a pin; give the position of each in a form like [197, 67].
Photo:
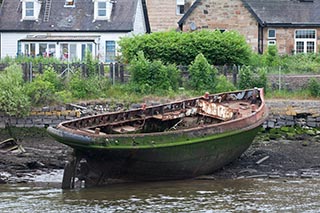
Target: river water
[242, 195]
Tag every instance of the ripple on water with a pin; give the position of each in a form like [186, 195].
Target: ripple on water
[286, 195]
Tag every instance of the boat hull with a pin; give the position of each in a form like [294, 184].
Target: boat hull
[168, 163]
[171, 154]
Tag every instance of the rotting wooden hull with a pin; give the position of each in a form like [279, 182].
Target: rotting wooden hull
[166, 155]
[175, 162]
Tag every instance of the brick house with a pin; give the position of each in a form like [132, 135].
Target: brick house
[66, 29]
[292, 25]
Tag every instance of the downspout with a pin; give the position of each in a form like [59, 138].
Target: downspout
[260, 39]
[146, 16]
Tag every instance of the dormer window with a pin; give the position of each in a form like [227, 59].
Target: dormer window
[69, 3]
[30, 9]
[102, 9]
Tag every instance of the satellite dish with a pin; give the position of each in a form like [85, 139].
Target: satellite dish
[193, 26]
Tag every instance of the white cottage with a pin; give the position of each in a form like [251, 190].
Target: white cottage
[66, 29]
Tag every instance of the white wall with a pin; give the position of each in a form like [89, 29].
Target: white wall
[9, 43]
[139, 23]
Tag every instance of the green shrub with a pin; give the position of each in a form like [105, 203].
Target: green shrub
[151, 77]
[13, 100]
[92, 64]
[250, 78]
[223, 85]
[202, 75]
[271, 56]
[43, 88]
[85, 88]
[181, 48]
[314, 87]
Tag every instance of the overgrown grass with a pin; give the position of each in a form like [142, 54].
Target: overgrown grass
[284, 94]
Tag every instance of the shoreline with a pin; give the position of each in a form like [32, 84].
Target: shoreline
[282, 157]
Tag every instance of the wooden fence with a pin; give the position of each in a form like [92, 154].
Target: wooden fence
[117, 72]
[31, 70]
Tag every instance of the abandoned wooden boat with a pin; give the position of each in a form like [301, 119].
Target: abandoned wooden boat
[178, 140]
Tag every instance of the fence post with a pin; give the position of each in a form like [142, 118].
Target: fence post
[279, 78]
[234, 75]
[25, 71]
[30, 72]
[83, 70]
[101, 69]
[121, 73]
[40, 68]
[116, 71]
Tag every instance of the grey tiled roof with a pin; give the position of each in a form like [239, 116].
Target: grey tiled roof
[285, 12]
[277, 12]
[80, 18]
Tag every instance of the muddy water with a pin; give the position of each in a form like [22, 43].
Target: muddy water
[246, 195]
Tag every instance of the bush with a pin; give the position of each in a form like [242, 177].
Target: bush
[43, 88]
[250, 78]
[223, 85]
[85, 88]
[13, 100]
[314, 87]
[271, 56]
[92, 64]
[202, 75]
[181, 48]
[151, 77]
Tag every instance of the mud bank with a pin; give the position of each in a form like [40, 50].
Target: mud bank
[298, 156]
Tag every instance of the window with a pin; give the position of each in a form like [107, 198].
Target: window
[271, 34]
[29, 9]
[305, 41]
[102, 9]
[86, 48]
[180, 7]
[110, 51]
[68, 51]
[69, 3]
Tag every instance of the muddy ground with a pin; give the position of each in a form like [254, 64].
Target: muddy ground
[297, 157]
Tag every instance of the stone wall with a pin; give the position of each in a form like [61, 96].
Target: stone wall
[281, 113]
[303, 113]
[225, 15]
[162, 14]
[290, 82]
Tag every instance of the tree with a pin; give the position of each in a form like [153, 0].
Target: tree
[202, 75]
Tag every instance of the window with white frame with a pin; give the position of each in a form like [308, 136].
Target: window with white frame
[180, 7]
[69, 3]
[305, 41]
[85, 48]
[271, 34]
[29, 9]
[38, 49]
[110, 51]
[102, 9]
